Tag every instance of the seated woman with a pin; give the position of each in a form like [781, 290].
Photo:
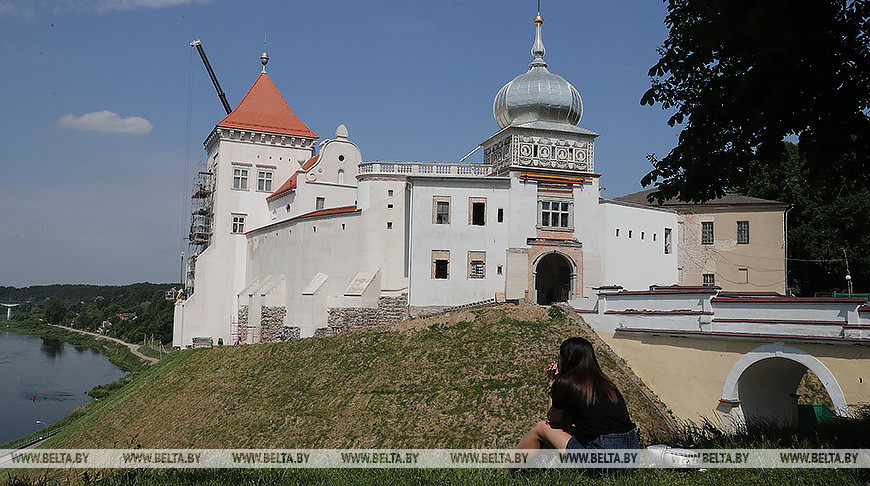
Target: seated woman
[586, 410]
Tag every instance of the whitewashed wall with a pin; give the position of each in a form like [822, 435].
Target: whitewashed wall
[636, 258]
[220, 269]
[459, 237]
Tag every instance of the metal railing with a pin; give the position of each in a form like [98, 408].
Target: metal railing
[425, 168]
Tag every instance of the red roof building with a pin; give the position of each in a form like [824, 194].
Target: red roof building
[264, 109]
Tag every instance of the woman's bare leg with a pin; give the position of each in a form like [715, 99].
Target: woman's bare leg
[544, 436]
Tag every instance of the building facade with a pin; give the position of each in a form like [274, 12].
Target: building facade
[343, 242]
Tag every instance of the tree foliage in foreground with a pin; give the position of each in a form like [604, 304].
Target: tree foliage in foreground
[826, 218]
[743, 75]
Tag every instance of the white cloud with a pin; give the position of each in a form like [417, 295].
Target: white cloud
[105, 5]
[106, 122]
[28, 9]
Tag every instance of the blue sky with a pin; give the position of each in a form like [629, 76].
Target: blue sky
[95, 104]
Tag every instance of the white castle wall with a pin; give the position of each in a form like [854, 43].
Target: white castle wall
[636, 258]
[220, 269]
[459, 237]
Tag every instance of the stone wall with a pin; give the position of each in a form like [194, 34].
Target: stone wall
[390, 310]
[272, 328]
[242, 325]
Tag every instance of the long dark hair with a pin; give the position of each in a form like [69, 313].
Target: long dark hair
[581, 375]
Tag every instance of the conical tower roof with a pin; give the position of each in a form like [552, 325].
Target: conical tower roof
[264, 109]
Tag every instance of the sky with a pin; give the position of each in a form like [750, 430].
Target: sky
[105, 105]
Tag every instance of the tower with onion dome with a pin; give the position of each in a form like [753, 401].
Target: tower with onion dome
[555, 252]
[538, 113]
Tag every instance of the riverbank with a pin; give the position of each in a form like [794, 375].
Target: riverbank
[119, 353]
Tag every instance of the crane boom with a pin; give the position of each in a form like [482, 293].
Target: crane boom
[198, 44]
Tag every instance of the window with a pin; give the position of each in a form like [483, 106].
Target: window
[556, 213]
[477, 264]
[743, 275]
[617, 232]
[318, 203]
[340, 176]
[709, 279]
[641, 235]
[478, 269]
[238, 223]
[389, 192]
[667, 241]
[440, 264]
[389, 225]
[240, 179]
[629, 233]
[654, 236]
[743, 232]
[390, 206]
[264, 180]
[477, 211]
[441, 210]
[707, 233]
[500, 215]
[441, 267]
[498, 270]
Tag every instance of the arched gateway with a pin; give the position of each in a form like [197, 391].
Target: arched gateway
[762, 384]
[555, 274]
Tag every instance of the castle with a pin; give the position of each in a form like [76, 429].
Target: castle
[291, 237]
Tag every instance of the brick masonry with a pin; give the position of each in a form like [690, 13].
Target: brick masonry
[390, 310]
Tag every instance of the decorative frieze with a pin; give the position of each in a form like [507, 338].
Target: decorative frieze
[541, 150]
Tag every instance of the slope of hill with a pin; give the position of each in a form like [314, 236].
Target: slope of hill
[470, 379]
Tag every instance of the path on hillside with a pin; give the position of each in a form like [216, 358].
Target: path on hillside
[134, 348]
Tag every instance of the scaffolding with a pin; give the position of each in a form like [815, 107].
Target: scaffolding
[201, 219]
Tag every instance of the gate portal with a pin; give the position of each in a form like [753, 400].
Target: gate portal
[553, 275]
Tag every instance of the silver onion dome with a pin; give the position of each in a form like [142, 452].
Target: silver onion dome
[538, 95]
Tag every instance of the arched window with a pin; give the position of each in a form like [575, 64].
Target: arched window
[341, 176]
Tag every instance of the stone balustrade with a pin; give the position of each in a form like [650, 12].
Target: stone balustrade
[423, 168]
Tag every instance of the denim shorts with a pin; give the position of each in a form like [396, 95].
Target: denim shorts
[626, 440]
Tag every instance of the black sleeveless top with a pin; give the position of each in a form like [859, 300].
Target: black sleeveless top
[590, 421]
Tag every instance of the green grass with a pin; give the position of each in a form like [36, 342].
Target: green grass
[422, 477]
[474, 379]
[474, 382]
[148, 351]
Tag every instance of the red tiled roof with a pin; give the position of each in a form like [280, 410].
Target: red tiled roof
[325, 212]
[290, 183]
[864, 308]
[803, 300]
[676, 332]
[671, 289]
[264, 109]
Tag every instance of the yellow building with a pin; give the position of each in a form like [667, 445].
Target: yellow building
[735, 242]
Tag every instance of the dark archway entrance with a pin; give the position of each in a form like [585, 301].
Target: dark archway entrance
[553, 279]
[770, 392]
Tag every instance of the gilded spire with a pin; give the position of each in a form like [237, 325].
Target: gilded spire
[538, 50]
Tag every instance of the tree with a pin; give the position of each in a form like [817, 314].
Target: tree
[828, 217]
[742, 75]
[55, 310]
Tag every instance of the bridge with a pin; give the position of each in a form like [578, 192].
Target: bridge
[733, 357]
[9, 308]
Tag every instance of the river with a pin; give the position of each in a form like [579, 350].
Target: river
[44, 380]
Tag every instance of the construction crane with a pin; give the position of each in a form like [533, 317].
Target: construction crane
[198, 44]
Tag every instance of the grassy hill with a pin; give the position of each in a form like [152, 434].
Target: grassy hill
[471, 379]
